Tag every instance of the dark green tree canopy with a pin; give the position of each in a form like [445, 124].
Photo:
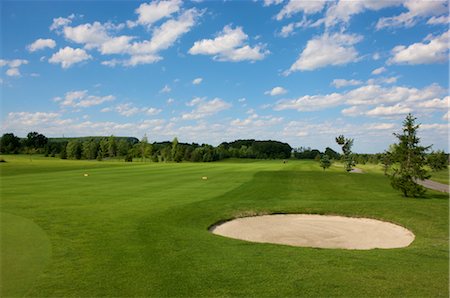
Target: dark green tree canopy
[408, 159]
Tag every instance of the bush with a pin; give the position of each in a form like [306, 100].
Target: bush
[128, 158]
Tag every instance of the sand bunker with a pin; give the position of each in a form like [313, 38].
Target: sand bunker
[317, 231]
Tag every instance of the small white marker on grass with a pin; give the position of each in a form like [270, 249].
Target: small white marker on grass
[204, 178]
[85, 175]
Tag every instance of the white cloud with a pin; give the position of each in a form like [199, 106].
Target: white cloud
[142, 59]
[376, 56]
[295, 6]
[341, 11]
[149, 13]
[197, 81]
[383, 111]
[374, 98]
[442, 20]
[446, 116]
[434, 49]
[81, 99]
[13, 70]
[40, 44]
[151, 111]
[128, 109]
[339, 83]
[335, 49]
[162, 38]
[310, 102]
[116, 45]
[101, 36]
[380, 126]
[436, 103]
[69, 56]
[61, 22]
[382, 80]
[229, 45]
[255, 121]
[272, 2]
[92, 35]
[287, 30]
[13, 63]
[170, 101]
[416, 10]
[111, 63]
[205, 108]
[379, 70]
[33, 119]
[276, 91]
[165, 89]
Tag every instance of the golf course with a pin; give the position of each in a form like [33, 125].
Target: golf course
[77, 228]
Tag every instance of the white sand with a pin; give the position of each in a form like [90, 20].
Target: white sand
[317, 231]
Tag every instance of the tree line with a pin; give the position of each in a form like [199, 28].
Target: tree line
[129, 148]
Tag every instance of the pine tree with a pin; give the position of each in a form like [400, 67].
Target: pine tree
[346, 145]
[409, 159]
[325, 162]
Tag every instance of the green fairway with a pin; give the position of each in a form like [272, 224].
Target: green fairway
[441, 176]
[141, 229]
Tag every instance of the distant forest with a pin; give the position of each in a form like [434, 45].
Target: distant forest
[129, 148]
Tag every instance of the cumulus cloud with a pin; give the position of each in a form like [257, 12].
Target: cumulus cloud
[287, 30]
[61, 22]
[13, 66]
[103, 36]
[40, 44]
[162, 38]
[434, 49]
[229, 45]
[436, 103]
[295, 6]
[254, 121]
[339, 83]
[69, 56]
[276, 91]
[342, 11]
[81, 99]
[204, 108]
[149, 13]
[379, 70]
[128, 109]
[416, 11]
[197, 81]
[324, 50]
[374, 98]
[384, 111]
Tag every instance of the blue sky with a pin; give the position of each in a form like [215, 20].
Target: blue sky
[301, 72]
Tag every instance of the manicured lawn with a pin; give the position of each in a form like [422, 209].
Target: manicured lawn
[441, 176]
[136, 229]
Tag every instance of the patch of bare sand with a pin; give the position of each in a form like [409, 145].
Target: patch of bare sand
[321, 231]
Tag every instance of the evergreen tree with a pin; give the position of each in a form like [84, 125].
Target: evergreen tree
[325, 162]
[174, 148]
[347, 158]
[409, 159]
[437, 160]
